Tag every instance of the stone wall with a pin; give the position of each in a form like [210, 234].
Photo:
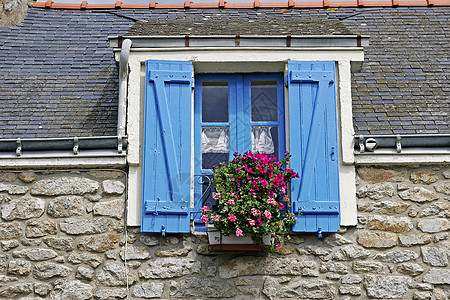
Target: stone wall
[12, 12]
[62, 237]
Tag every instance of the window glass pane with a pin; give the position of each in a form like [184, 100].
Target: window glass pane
[264, 100]
[215, 101]
[215, 146]
[265, 140]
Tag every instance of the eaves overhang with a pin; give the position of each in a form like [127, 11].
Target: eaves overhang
[243, 41]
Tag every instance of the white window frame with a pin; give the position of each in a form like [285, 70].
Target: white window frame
[238, 60]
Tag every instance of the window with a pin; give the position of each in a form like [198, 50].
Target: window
[223, 127]
[234, 113]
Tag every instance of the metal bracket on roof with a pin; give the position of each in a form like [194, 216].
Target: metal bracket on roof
[399, 144]
[119, 144]
[361, 144]
[19, 147]
[75, 145]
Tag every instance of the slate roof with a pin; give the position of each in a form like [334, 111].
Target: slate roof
[58, 77]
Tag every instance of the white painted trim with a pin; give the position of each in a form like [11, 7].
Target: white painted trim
[403, 159]
[207, 60]
[69, 161]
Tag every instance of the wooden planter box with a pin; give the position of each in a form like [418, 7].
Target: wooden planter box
[219, 242]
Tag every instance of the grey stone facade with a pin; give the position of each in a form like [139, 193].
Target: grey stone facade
[62, 236]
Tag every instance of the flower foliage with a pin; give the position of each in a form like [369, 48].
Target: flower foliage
[251, 194]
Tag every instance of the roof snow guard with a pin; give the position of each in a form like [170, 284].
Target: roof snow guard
[255, 4]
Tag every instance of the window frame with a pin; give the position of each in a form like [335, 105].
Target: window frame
[243, 59]
[239, 105]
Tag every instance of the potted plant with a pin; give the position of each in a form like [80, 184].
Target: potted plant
[251, 194]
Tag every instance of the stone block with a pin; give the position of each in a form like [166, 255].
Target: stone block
[42, 289]
[422, 295]
[115, 274]
[170, 268]
[434, 225]
[173, 252]
[35, 254]
[193, 288]
[94, 260]
[350, 252]
[10, 231]
[251, 265]
[19, 267]
[419, 194]
[71, 289]
[60, 243]
[435, 256]
[23, 208]
[397, 256]
[66, 206]
[423, 177]
[133, 252]
[8, 245]
[148, 290]
[369, 267]
[16, 290]
[7, 176]
[40, 227]
[410, 269]
[47, 270]
[378, 240]
[378, 175]
[27, 177]
[376, 191]
[351, 279]
[99, 243]
[111, 293]
[114, 208]
[443, 187]
[299, 289]
[386, 287]
[349, 290]
[84, 273]
[334, 267]
[439, 209]
[57, 186]
[388, 223]
[78, 226]
[113, 187]
[13, 189]
[437, 276]
[414, 240]
[384, 207]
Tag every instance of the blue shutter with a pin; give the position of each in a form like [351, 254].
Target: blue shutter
[314, 146]
[167, 147]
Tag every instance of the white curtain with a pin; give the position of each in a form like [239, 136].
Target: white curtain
[262, 141]
[215, 140]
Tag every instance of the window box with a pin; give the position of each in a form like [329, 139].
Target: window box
[219, 242]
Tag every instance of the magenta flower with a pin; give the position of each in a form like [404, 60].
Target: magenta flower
[204, 219]
[238, 232]
[280, 205]
[231, 217]
[205, 209]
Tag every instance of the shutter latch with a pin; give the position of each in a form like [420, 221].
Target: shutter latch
[163, 230]
[333, 157]
[319, 232]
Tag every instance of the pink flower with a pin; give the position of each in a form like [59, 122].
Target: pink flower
[230, 201]
[252, 222]
[280, 205]
[238, 232]
[268, 214]
[205, 209]
[277, 245]
[231, 217]
[204, 219]
[215, 218]
[254, 211]
[216, 196]
[271, 201]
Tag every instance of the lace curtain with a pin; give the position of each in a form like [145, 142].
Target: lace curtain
[262, 141]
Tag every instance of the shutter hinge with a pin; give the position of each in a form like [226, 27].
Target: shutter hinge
[333, 157]
[286, 81]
